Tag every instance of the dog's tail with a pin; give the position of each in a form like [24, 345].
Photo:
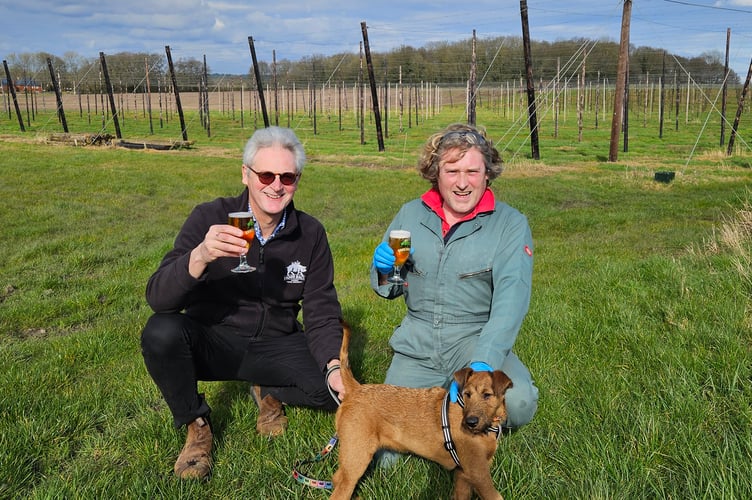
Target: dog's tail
[348, 379]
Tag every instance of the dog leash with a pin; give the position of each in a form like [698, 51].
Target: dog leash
[448, 442]
[299, 476]
[307, 481]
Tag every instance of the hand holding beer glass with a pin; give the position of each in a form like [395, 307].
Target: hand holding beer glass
[244, 221]
[399, 241]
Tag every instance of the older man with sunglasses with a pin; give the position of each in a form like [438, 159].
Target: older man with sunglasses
[211, 324]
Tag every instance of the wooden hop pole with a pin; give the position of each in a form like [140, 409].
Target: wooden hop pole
[374, 92]
[724, 93]
[175, 89]
[110, 95]
[621, 82]
[259, 84]
[12, 88]
[58, 96]
[531, 108]
[471, 102]
[739, 110]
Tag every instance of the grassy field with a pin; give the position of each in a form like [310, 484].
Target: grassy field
[638, 336]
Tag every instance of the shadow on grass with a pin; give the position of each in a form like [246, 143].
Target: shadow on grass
[358, 339]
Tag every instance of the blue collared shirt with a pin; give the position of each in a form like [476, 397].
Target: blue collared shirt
[257, 228]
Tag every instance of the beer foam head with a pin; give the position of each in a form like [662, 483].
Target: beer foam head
[399, 233]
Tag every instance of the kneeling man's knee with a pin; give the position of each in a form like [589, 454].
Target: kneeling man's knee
[161, 333]
[522, 403]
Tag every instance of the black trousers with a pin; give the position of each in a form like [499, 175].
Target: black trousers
[179, 351]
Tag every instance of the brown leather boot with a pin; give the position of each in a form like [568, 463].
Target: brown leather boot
[271, 418]
[195, 459]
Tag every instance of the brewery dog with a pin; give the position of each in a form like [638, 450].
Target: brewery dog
[408, 420]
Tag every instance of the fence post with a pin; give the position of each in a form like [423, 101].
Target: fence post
[12, 88]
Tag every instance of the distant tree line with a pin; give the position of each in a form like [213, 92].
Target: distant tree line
[445, 63]
[127, 71]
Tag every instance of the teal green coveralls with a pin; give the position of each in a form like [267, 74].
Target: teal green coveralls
[466, 297]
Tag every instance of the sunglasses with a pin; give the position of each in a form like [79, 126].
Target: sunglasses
[266, 178]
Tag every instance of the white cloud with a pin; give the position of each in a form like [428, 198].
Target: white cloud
[294, 29]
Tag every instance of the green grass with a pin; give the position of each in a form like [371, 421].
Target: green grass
[638, 335]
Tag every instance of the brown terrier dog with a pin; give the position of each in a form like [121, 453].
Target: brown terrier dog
[421, 422]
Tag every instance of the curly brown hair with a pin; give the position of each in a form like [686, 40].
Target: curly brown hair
[457, 137]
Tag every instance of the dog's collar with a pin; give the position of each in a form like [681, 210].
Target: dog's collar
[460, 400]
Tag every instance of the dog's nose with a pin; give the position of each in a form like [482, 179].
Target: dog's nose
[471, 422]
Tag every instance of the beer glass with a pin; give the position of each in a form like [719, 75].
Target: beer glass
[244, 221]
[399, 240]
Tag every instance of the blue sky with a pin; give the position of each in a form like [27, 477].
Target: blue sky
[294, 29]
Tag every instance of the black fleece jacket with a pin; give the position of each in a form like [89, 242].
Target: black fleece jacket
[294, 268]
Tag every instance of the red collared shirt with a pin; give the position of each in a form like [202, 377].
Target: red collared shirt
[432, 198]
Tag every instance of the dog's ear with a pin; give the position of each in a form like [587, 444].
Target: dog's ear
[501, 382]
[460, 376]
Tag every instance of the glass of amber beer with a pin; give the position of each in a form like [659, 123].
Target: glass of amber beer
[244, 221]
[399, 240]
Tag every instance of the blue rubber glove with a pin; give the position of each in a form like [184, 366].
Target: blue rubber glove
[383, 258]
[480, 366]
[476, 366]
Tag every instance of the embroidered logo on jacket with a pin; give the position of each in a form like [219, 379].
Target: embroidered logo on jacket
[295, 273]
